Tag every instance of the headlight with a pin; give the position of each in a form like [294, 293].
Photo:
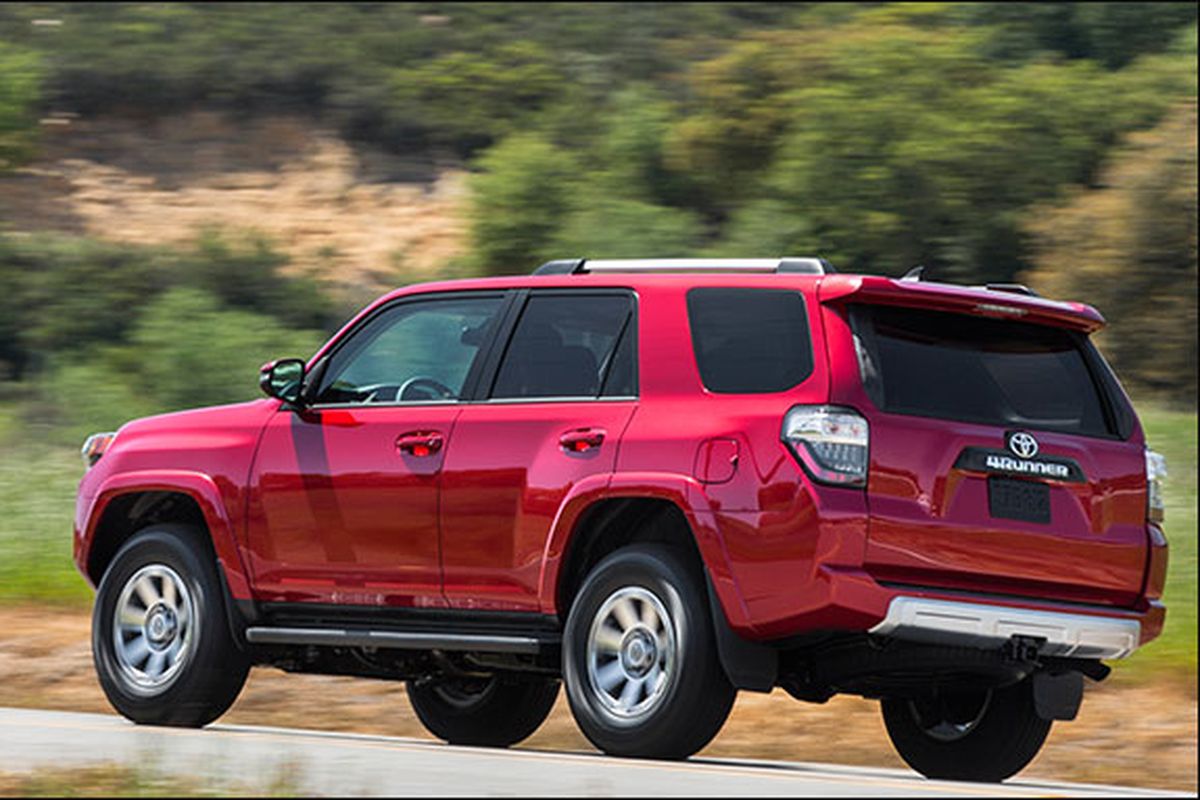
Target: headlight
[95, 446]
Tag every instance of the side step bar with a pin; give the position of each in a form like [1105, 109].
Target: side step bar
[330, 637]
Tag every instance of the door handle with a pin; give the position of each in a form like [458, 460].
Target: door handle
[419, 443]
[581, 440]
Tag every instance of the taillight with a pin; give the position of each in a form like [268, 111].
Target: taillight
[1156, 473]
[830, 442]
[95, 446]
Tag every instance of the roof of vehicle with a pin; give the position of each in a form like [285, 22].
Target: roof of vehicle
[1004, 301]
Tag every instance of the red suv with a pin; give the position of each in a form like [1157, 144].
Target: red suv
[657, 482]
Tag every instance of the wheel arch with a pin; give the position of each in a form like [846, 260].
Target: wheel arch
[597, 521]
[130, 502]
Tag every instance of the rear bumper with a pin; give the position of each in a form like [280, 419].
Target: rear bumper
[847, 599]
[987, 625]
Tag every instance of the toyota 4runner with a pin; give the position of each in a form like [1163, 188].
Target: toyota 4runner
[657, 482]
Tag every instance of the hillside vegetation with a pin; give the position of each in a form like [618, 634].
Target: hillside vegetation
[958, 136]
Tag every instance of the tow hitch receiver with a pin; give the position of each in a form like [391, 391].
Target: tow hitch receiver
[1057, 696]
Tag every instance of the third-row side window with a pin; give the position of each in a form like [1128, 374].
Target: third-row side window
[570, 346]
[750, 340]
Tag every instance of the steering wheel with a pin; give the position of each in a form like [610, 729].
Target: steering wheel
[441, 390]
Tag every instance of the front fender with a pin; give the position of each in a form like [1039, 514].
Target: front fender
[199, 487]
[685, 492]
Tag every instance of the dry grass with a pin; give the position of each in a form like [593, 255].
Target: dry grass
[1142, 734]
[353, 216]
[116, 780]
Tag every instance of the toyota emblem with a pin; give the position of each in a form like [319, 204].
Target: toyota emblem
[1023, 444]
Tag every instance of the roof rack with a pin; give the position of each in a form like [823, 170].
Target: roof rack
[577, 266]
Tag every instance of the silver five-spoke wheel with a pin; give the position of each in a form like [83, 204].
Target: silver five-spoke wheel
[153, 628]
[631, 653]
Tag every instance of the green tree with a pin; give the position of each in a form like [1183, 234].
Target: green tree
[20, 79]
[62, 294]
[884, 143]
[245, 272]
[613, 227]
[189, 351]
[519, 202]
[1129, 248]
[66, 293]
[467, 100]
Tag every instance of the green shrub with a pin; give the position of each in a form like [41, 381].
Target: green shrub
[20, 82]
[191, 352]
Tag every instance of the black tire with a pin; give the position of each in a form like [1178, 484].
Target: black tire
[696, 696]
[487, 712]
[999, 733]
[211, 670]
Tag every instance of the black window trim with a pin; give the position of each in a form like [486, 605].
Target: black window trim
[863, 329]
[474, 372]
[491, 367]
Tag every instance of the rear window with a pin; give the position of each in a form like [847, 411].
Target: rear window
[996, 372]
[750, 341]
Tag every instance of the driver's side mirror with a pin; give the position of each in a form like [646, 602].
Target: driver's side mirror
[283, 378]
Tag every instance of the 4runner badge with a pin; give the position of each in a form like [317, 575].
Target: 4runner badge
[1014, 461]
[1023, 444]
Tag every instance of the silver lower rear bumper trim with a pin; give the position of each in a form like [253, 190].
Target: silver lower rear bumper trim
[985, 625]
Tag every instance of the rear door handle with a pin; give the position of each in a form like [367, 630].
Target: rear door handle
[581, 439]
[419, 443]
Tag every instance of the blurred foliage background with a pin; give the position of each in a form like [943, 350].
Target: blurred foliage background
[1048, 142]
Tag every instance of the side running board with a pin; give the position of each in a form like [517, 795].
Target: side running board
[329, 637]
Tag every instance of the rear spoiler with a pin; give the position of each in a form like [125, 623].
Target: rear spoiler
[996, 304]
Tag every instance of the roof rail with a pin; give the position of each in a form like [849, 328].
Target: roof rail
[576, 266]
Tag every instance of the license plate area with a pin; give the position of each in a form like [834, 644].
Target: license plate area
[1020, 500]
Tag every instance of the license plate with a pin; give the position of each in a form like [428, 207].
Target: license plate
[1022, 500]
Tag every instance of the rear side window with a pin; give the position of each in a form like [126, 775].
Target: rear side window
[570, 346]
[750, 341]
[994, 372]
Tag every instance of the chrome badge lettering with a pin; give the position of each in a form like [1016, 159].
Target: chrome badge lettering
[1026, 467]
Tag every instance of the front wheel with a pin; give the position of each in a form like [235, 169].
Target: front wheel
[639, 657]
[487, 712]
[160, 636]
[986, 735]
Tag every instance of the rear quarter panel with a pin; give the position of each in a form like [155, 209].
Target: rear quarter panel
[769, 536]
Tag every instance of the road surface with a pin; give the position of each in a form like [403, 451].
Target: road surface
[344, 763]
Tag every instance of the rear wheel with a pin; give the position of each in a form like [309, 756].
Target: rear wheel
[160, 637]
[985, 735]
[639, 657]
[487, 712]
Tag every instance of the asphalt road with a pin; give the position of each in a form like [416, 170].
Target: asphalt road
[342, 763]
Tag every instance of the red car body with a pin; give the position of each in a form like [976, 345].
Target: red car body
[319, 506]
